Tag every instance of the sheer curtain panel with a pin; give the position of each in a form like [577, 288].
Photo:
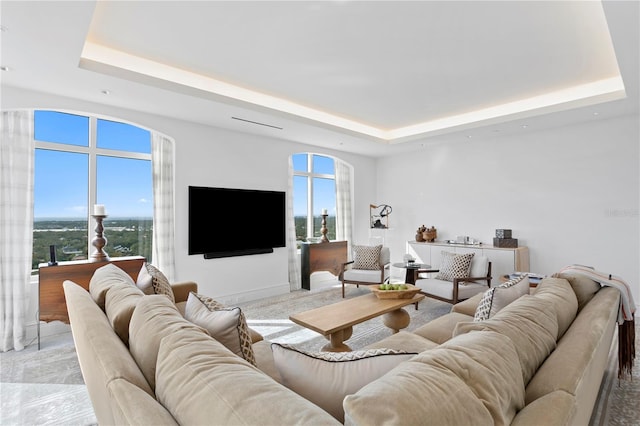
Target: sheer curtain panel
[343, 202]
[17, 151]
[163, 205]
[294, 262]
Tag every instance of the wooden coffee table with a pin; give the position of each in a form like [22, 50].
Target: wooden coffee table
[336, 321]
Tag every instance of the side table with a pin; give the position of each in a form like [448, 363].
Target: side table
[412, 270]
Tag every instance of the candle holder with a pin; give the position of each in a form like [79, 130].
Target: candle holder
[99, 241]
[323, 229]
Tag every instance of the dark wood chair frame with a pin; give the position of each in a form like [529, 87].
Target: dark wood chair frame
[359, 283]
[456, 282]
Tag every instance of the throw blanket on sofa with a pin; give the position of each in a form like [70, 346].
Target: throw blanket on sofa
[626, 323]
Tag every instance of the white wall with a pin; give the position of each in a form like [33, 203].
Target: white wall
[570, 194]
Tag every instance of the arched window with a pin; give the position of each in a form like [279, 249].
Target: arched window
[314, 191]
[83, 160]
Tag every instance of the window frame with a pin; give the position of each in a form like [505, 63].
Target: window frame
[92, 151]
[310, 175]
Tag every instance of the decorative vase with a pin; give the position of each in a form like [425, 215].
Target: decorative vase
[430, 234]
[419, 237]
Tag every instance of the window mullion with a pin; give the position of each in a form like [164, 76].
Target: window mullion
[93, 180]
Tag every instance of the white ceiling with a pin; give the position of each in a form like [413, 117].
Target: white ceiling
[373, 77]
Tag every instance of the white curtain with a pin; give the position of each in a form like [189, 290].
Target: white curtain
[294, 263]
[17, 150]
[344, 197]
[163, 256]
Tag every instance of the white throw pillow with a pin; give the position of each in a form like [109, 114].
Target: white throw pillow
[498, 297]
[227, 325]
[326, 378]
[454, 266]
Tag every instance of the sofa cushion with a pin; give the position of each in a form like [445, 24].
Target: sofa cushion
[584, 287]
[133, 406]
[366, 257]
[155, 317]
[531, 326]
[404, 341]
[498, 297]
[195, 370]
[225, 324]
[581, 354]
[325, 378]
[555, 408]
[559, 295]
[473, 379]
[454, 266]
[103, 278]
[120, 301]
[469, 306]
[151, 278]
[102, 355]
[440, 329]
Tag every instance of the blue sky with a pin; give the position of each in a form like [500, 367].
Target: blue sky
[60, 186]
[123, 185]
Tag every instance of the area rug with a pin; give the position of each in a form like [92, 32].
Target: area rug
[270, 317]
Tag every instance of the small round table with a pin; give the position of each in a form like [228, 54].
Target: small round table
[412, 270]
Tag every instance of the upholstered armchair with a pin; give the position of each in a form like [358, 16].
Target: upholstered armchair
[460, 277]
[370, 265]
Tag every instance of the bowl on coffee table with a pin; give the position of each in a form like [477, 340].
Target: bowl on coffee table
[407, 291]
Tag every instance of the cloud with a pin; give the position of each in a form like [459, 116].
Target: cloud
[143, 200]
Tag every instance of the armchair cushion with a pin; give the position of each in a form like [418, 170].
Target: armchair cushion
[454, 266]
[367, 276]
[367, 257]
[444, 289]
[479, 267]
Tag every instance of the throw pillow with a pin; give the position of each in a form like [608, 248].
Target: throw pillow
[454, 266]
[152, 281]
[498, 297]
[326, 378]
[227, 325]
[367, 257]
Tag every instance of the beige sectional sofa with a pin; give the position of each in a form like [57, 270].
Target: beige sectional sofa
[538, 360]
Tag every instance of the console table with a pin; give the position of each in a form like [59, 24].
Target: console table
[314, 257]
[51, 302]
[504, 260]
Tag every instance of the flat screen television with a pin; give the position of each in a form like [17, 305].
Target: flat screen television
[225, 222]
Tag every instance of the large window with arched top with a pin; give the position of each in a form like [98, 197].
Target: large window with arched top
[83, 160]
[314, 191]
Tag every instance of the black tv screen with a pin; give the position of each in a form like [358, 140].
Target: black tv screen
[227, 222]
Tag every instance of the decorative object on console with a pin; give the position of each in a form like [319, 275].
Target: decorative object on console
[323, 229]
[378, 214]
[99, 241]
[419, 232]
[503, 239]
[430, 234]
[52, 255]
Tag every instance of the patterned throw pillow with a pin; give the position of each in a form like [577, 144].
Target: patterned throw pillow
[367, 257]
[149, 274]
[326, 378]
[227, 325]
[454, 266]
[498, 297]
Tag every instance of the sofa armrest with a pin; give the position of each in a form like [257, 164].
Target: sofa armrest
[469, 306]
[181, 290]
